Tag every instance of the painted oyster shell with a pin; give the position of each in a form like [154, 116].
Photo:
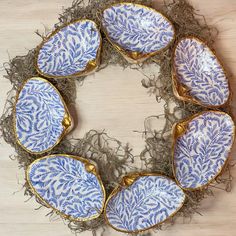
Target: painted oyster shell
[41, 117]
[142, 201]
[71, 51]
[68, 184]
[201, 148]
[137, 31]
[198, 75]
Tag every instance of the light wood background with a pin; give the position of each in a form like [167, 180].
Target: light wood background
[120, 110]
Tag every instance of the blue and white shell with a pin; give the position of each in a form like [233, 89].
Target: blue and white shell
[41, 117]
[198, 70]
[148, 201]
[202, 148]
[137, 31]
[71, 51]
[69, 185]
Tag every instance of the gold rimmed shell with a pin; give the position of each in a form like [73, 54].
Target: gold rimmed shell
[179, 129]
[91, 65]
[134, 56]
[67, 121]
[181, 91]
[89, 167]
[126, 182]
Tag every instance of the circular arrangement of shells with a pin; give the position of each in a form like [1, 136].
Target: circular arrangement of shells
[71, 185]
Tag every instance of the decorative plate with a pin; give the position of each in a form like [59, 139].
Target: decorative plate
[198, 75]
[202, 145]
[143, 201]
[68, 184]
[71, 51]
[137, 31]
[41, 117]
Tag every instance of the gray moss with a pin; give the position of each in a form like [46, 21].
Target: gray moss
[112, 157]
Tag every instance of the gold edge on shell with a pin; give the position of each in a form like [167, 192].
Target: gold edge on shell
[176, 84]
[88, 69]
[128, 54]
[63, 215]
[66, 115]
[138, 175]
[174, 139]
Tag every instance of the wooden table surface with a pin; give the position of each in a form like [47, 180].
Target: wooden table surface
[120, 111]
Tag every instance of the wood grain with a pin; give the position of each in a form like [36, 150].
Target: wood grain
[120, 110]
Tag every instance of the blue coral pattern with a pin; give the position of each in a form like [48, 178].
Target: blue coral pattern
[199, 70]
[148, 201]
[64, 184]
[70, 50]
[39, 115]
[136, 28]
[202, 151]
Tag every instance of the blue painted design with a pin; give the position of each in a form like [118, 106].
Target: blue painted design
[148, 201]
[39, 115]
[63, 182]
[69, 51]
[202, 150]
[137, 28]
[198, 69]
